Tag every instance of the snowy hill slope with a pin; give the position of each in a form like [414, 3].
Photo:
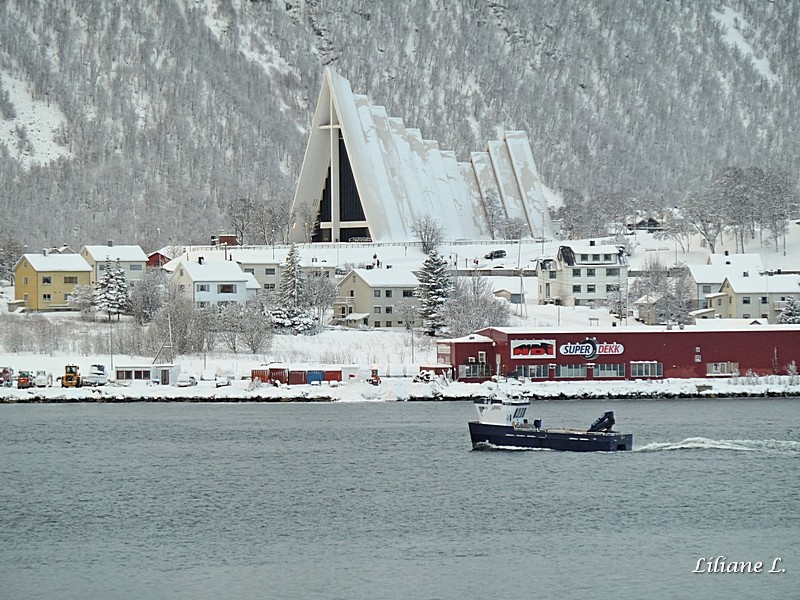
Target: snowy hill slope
[138, 121]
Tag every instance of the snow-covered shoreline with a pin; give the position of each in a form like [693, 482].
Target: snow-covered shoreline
[405, 389]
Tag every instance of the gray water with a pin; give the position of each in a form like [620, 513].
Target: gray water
[387, 500]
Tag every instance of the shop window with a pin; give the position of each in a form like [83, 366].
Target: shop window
[647, 369]
[571, 371]
[609, 370]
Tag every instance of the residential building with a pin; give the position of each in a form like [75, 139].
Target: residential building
[132, 260]
[749, 296]
[213, 283]
[582, 274]
[45, 281]
[372, 297]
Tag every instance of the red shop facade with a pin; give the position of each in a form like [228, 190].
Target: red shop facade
[622, 352]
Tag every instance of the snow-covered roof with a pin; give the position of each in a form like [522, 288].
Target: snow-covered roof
[584, 247]
[388, 277]
[43, 263]
[401, 175]
[711, 274]
[743, 260]
[726, 324]
[215, 270]
[757, 284]
[251, 283]
[121, 253]
[472, 337]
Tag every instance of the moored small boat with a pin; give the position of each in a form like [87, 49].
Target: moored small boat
[502, 423]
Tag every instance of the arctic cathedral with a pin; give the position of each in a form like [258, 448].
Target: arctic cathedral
[366, 176]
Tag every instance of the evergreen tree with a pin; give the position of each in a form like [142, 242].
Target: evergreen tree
[291, 314]
[111, 291]
[290, 287]
[790, 314]
[433, 291]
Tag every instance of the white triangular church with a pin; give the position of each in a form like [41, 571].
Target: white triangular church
[365, 176]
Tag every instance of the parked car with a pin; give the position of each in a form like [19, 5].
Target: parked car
[44, 379]
[222, 382]
[6, 376]
[186, 380]
[495, 254]
[24, 380]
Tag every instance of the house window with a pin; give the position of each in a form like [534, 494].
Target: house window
[46, 298]
[612, 272]
[352, 293]
[606, 258]
[376, 293]
[388, 293]
[576, 289]
[135, 267]
[745, 299]
[376, 324]
[590, 289]
[590, 272]
[764, 299]
[250, 270]
[102, 267]
[706, 289]
[202, 304]
[388, 323]
[47, 280]
[202, 287]
[576, 272]
[269, 271]
[746, 316]
[595, 258]
[269, 286]
[25, 280]
[181, 288]
[408, 293]
[552, 274]
[226, 288]
[647, 369]
[70, 279]
[584, 257]
[25, 297]
[376, 310]
[388, 310]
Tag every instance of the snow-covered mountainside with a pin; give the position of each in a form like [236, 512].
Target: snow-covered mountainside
[138, 121]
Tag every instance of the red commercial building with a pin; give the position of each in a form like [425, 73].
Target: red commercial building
[622, 352]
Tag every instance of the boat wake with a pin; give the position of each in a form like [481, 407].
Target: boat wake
[773, 446]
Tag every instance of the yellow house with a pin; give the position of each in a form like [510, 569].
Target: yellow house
[44, 281]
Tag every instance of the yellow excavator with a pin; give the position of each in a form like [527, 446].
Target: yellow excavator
[71, 377]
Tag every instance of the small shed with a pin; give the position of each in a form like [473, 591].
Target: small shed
[162, 374]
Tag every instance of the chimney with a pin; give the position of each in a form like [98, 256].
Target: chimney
[110, 243]
[200, 260]
[44, 251]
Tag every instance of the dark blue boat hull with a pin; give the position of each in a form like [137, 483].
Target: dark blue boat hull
[484, 435]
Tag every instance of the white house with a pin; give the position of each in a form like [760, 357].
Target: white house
[583, 273]
[211, 283]
[372, 297]
[132, 260]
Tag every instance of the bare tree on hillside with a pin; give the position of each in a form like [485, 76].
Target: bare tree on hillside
[495, 213]
[428, 231]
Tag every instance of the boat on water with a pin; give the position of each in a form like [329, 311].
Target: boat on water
[502, 423]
